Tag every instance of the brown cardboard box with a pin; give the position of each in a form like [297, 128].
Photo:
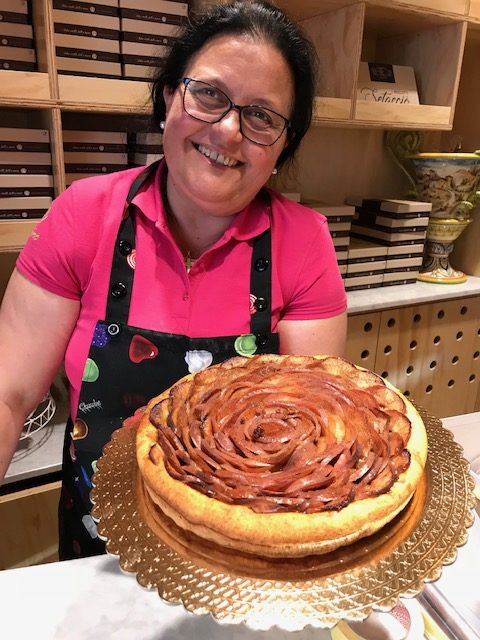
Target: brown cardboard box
[95, 147]
[158, 6]
[89, 67]
[405, 250]
[17, 30]
[18, 157]
[16, 65]
[145, 37]
[392, 206]
[366, 267]
[397, 264]
[23, 208]
[107, 137]
[143, 49]
[138, 72]
[63, 41]
[362, 250]
[72, 177]
[25, 185]
[155, 28]
[17, 54]
[93, 167]
[331, 211]
[149, 138]
[14, 6]
[146, 158]
[18, 134]
[93, 20]
[386, 221]
[356, 282]
[98, 7]
[389, 236]
[88, 157]
[144, 61]
[400, 277]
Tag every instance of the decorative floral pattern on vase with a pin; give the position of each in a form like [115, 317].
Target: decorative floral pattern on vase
[449, 183]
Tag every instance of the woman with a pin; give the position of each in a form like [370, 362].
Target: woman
[139, 277]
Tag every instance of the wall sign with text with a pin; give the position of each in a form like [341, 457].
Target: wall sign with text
[388, 83]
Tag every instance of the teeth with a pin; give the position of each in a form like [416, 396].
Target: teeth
[217, 157]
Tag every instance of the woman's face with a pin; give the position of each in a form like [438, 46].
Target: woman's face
[248, 71]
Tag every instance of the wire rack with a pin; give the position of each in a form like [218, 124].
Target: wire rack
[39, 417]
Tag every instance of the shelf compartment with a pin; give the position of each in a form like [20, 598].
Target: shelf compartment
[433, 46]
[14, 233]
[29, 88]
[337, 36]
[85, 93]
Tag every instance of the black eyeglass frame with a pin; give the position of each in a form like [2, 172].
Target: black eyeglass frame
[287, 124]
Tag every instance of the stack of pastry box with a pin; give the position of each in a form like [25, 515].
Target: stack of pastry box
[26, 182]
[339, 218]
[17, 52]
[145, 148]
[87, 37]
[88, 153]
[148, 29]
[388, 238]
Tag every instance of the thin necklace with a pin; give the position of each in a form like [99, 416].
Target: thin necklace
[188, 260]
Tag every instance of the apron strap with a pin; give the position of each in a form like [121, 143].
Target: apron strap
[261, 281]
[121, 276]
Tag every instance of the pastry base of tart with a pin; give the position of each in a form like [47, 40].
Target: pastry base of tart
[218, 558]
[274, 535]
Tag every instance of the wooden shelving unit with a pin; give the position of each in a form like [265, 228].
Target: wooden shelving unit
[429, 35]
[430, 42]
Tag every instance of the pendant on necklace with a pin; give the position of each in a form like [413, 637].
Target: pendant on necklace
[188, 260]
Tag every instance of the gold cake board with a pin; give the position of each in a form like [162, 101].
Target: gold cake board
[349, 583]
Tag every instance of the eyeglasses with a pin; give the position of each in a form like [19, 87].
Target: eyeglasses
[205, 102]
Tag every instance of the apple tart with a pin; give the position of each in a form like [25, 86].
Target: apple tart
[281, 456]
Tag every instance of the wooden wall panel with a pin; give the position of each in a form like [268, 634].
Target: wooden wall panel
[362, 339]
[29, 529]
[431, 352]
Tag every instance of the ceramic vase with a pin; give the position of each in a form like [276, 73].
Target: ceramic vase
[451, 182]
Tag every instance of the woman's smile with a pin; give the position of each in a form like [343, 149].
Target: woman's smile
[216, 157]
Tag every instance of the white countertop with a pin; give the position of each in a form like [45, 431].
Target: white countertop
[41, 453]
[93, 598]
[381, 298]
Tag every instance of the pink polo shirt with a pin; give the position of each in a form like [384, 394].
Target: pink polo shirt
[70, 254]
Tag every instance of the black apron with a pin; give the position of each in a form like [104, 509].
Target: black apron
[126, 366]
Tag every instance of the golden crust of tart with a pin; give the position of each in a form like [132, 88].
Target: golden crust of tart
[278, 534]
